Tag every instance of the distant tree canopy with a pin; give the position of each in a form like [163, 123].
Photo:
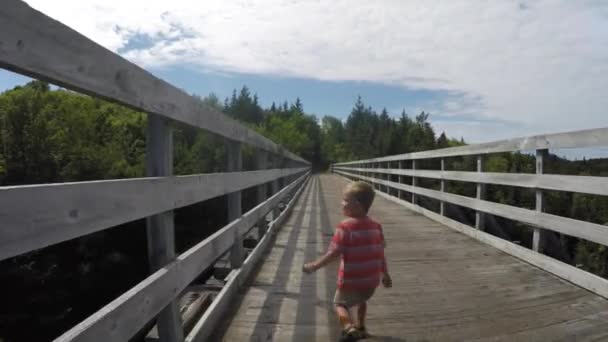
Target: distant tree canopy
[59, 136]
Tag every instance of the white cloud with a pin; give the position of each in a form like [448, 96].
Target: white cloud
[541, 64]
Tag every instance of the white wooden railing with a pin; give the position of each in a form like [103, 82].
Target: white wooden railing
[37, 216]
[372, 170]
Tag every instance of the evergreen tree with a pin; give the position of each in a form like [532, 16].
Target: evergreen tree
[442, 141]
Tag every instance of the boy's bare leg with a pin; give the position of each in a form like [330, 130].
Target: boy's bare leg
[361, 312]
[343, 316]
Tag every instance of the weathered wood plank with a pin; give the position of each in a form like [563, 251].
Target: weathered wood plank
[581, 229]
[274, 185]
[480, 194]
[234, 161]
[261, 160]
[447, 286]
[35, 45]
[414, 181]
[442, 189]
[537, 235]
[160, 229]
[580, 184]
[193, 301]
[208, 323]
[285, 281]
[33, 217]
[570, 273]
[584, 138]
[123, 317]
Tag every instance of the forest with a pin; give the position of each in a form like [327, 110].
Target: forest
[51, 135]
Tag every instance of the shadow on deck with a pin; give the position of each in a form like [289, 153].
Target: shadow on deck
[447, 286]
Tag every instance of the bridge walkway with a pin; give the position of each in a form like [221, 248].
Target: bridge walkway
[447, 286]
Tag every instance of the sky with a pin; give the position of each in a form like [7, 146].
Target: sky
[485, 70]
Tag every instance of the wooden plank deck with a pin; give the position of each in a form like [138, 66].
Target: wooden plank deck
[447, 286]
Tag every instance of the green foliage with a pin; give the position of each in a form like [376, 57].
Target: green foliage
[367, 134]
[244, 107]
[59, 136]
[285, 131]
[592, 257]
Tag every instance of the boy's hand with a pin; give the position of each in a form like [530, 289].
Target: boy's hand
[309, 267]
[387, 281]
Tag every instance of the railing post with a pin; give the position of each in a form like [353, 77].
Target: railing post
[375, 176]
[372, 174]
[234, 163]
[261, 194]
[400, 192]
[274, 186]
[388, 178]
[537, 245]
[160, 228]
[384, 177]
[442, 203]
[479, 216]
[379, 176]
[414, 181]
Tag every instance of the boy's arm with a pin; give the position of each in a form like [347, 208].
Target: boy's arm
[384, 267]
[386, 278]
[335, 250]
[330, 256]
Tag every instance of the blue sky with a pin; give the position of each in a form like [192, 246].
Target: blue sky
[335, 98]
[319, 97]
[484, 70]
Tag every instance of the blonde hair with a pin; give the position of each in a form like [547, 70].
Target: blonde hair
[363, 192]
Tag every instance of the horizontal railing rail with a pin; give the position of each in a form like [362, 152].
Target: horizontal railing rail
[587, 138]
[580, 184]
[391, 183]
[33, 218]
[38, 46]
[122, 318]
[585, 230]
[209, 322]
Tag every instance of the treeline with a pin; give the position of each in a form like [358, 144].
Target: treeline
[59, 136]
[365, 133]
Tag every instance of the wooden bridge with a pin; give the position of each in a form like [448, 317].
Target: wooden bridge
[447, 285]
[452, 281]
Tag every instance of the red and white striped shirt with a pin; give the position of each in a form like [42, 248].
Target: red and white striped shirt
[361, 244]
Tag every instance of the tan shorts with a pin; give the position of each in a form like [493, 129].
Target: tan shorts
[352, 298]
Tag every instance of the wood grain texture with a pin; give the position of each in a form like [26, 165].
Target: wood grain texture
[585, 138]
[33, 217]
[234, 163]
[581, 229]
[123, 317]
[208, 323]
[261, 160]
[160, 229]
[580, 184]
[572, 274]
[35, 45]
[447, 286]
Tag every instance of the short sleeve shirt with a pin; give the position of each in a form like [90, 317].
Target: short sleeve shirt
[361, 245]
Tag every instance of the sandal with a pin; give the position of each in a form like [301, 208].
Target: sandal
[350, 334]
[363, 332]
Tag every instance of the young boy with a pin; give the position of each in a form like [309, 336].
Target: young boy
[359, 242]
